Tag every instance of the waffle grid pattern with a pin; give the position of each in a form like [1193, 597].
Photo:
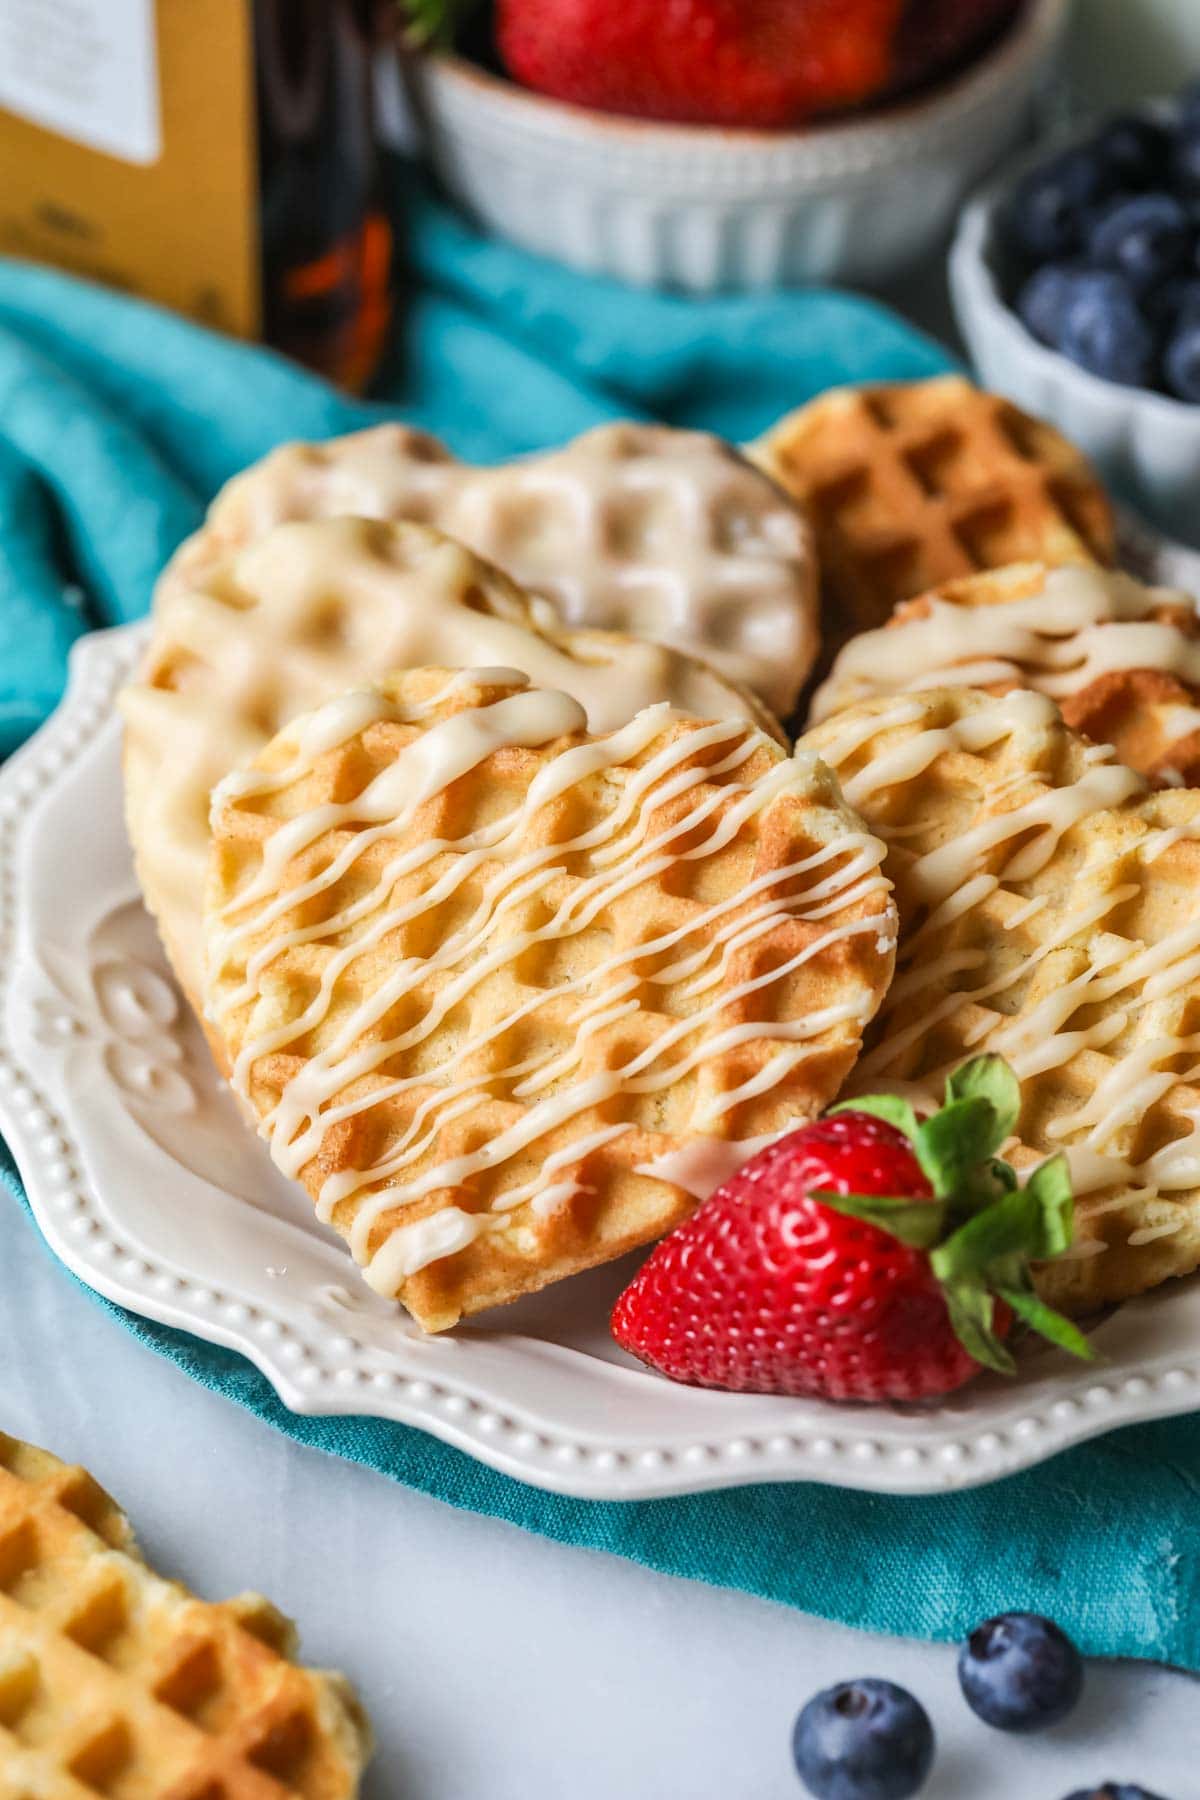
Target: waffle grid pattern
[916, 484]
[668, 535]
[116, 1683]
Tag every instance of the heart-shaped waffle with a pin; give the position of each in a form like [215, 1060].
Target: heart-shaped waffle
[664, 534]
[1122, 660]
[482, 976]
[1050, 911]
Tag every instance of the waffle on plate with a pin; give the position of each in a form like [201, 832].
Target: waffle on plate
[1050, 911]
[482, 975]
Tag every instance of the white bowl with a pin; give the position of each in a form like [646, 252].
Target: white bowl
[1147, 445]
[698, 208]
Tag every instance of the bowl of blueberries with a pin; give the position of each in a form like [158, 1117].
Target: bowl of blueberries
[1076, 283]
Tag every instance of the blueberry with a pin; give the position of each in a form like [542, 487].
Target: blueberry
[1171, 304]
[1188, 114]
[1181, 359]
[1147, 239]
[1020, 1672]
[1046, 217]
[863, 1740]
[1136, 152]
[1042, 302]
[1104, 330]
[1185, 161]
[1114, 1790]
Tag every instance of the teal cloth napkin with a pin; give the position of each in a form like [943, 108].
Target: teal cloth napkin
[117, 423]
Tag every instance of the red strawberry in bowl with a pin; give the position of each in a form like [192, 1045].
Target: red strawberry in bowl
[756, 63]
[868, 1256]
[753, 64]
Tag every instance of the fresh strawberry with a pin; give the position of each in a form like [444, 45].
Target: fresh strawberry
[760, 63]
[864, 1257]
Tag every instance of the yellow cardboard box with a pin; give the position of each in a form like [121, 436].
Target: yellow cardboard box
[128, 148]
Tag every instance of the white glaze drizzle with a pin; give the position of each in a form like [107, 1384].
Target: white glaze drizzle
[705, 1164]
[1080, 625]
[624, 850]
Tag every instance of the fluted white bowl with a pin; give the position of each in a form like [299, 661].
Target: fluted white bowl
[1147, 445]
[702, 209]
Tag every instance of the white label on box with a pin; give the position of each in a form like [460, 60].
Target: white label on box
[86, 69]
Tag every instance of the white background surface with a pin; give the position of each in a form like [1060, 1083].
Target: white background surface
[496, 1666]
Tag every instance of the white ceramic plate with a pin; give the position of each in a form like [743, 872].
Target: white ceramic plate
[148, 1185]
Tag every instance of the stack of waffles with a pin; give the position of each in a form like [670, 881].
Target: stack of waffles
[467, 804]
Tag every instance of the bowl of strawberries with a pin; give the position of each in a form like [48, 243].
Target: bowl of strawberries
[727, 144]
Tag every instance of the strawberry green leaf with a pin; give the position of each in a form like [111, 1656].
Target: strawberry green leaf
[1011, 1226]
[917, 1223]
[889, 1107]
[989, 1078]
[1050, 1186]
[1046, 1322]
[432, 22]
[953, 1143]
[983, 1229]
[971, 1310]
[1033, 1224]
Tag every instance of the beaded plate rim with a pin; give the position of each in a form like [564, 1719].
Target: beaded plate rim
[512, 1421]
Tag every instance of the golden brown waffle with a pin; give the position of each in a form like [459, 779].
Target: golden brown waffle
[116, 1682]
[479, 973]
[664, 534]
[1121, 660]
[919, 483]
[314, 608]
[1050, 911]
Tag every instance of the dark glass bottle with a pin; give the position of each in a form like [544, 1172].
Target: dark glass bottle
[325, 245]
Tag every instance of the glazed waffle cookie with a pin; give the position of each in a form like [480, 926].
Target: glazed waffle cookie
[667, 535]
[1050, 911]
[1121, 660]
[483, 977]
[116, 1682]
[919, 483]
[311, 609]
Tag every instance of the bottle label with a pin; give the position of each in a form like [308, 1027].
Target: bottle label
[86, 69]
